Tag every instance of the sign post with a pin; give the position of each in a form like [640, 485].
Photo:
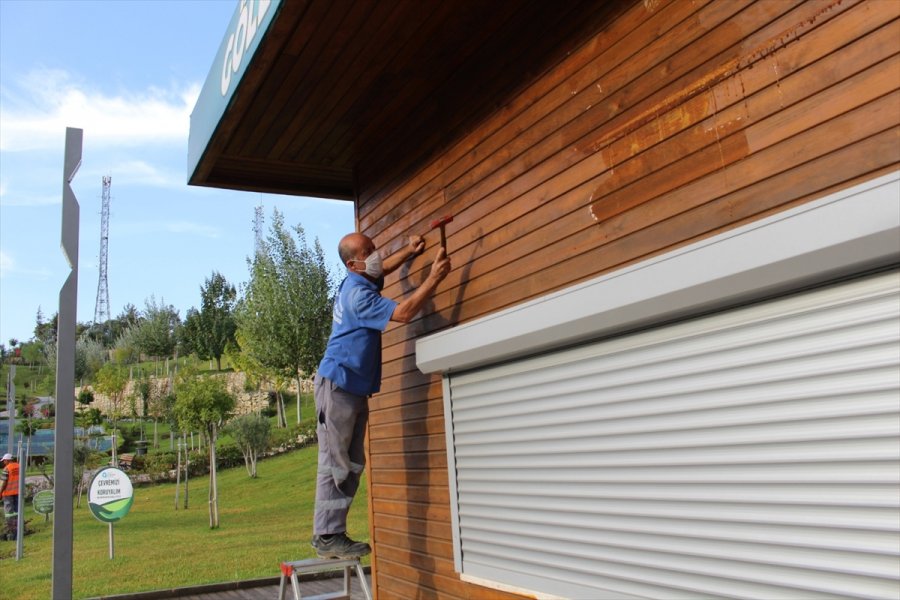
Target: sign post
[43, 503]
[11, 406]
[20, 504]
[110, 498]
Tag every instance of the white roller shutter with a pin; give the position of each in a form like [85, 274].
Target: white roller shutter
[749, 454]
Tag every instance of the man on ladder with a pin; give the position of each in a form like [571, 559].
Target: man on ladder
[350, 372]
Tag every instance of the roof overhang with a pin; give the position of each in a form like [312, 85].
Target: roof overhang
[248, 26]
[318, 97]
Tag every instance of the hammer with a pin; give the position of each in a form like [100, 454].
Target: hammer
[440, 223]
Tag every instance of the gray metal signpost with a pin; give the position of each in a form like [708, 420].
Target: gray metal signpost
[20, 509]
[11, 406]
[65, 377]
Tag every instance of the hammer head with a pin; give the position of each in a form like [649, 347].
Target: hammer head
[441, 222]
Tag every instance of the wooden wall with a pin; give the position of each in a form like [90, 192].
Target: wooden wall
[677, 121]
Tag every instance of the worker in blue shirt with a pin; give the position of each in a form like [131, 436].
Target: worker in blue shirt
[350, 372]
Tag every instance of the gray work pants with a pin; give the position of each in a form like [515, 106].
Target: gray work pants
[342, 420]
[11, 514]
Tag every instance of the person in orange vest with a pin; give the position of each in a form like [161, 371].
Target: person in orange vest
[9, 490]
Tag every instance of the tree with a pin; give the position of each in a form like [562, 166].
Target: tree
[84, 399]
[33, 352]
[45, 331]
[156, 335]
[259, 375]
[90, 355]
[203, 402]
[82, 458]
[88, 418]
[111, 382]
[27, 427]
[285, 315]
[160, 405]
[251, 434]
[129, 318]
[212, 328]
[126, 347]
[142, 392]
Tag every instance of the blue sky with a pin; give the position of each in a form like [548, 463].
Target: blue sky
[128, 73]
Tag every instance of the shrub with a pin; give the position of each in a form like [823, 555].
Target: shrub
[159, 463]
[139, 463]
[199, 460]
[229, 455]
[280, 438]
[306, 431]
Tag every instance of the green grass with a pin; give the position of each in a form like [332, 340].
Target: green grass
[263, 521]
[30, 382]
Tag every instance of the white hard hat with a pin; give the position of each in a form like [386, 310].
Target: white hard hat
[7, 456]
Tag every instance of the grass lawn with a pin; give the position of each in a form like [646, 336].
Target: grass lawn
[262, 521]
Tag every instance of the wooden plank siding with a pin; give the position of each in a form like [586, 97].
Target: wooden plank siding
[677, 121]
[338, 86]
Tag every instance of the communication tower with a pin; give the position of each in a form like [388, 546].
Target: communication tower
[258, 224]
[101, 308]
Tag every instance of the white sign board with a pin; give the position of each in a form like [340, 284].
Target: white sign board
[111, 495]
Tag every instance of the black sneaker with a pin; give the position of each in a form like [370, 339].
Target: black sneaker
[339, 546]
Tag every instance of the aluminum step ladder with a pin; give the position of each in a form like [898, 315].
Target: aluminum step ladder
[290, 570]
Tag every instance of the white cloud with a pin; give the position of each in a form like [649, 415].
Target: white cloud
[189, 228]
[29, 200]
[34, 115]
[138, 173]
[8, 266]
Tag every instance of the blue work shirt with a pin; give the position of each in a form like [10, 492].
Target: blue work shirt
[353, 356]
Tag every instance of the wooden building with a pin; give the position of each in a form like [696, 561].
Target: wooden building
[665, 363]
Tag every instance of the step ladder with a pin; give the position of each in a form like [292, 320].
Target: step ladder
[290, 570]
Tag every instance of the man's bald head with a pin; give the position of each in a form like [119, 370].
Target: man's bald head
[353, 245]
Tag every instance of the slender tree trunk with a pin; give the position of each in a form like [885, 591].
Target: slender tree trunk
[187, 474]
[177, 476]
[299, 397]
[279, 402]
[80, 491]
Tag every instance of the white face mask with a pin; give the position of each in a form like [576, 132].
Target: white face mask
[373, 265]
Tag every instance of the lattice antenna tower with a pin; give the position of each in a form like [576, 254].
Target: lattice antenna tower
[101, 308]
[258, 224]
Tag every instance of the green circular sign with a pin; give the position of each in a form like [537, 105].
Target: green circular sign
[111, 495]
[43, 502]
